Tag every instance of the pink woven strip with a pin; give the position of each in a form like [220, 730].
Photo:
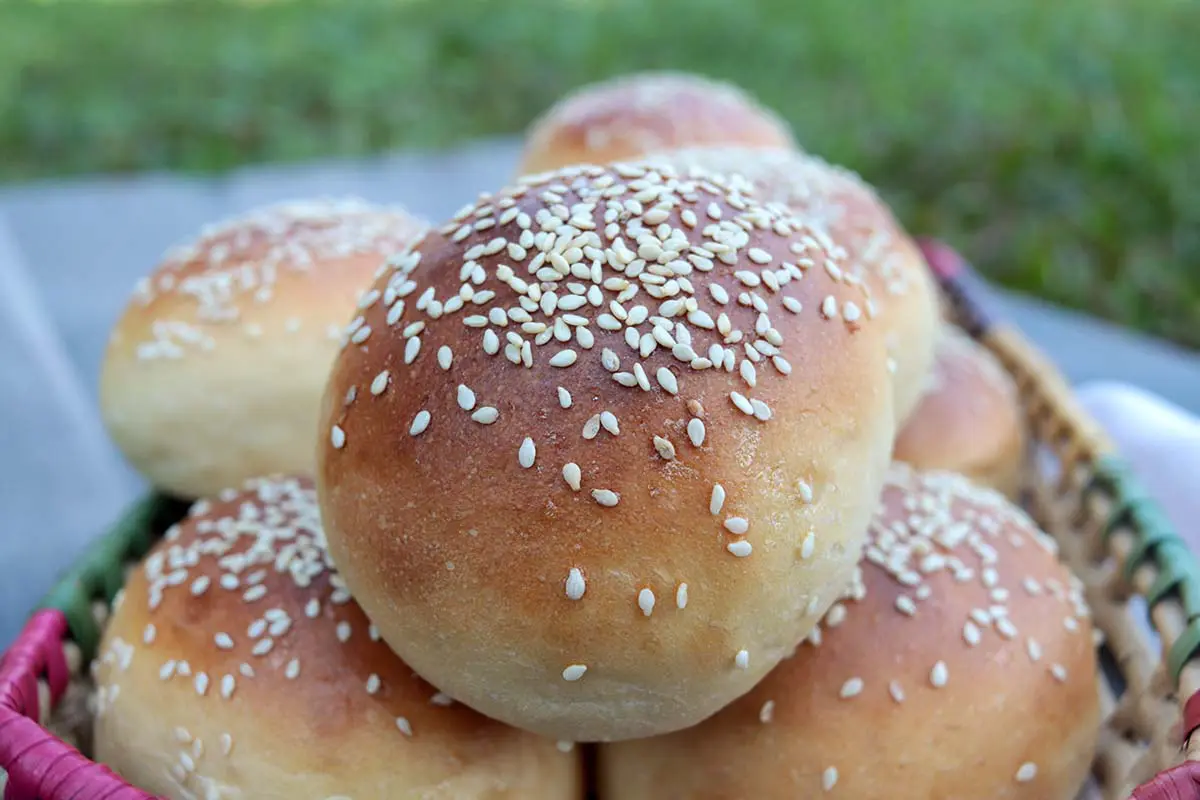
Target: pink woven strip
[39, 766]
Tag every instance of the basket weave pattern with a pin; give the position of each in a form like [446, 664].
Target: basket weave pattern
[1132, 564]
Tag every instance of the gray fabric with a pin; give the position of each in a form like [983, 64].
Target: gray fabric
[71, 251]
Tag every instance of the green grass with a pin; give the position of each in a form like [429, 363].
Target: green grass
[1057, 142]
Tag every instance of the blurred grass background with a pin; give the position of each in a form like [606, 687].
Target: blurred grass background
[1054, 141]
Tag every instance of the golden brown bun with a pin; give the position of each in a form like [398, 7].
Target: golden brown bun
[237, 666]
[464, 558]
[214, 373]
[969, 419]
[964, 669]
[872, 245]
[630, 116]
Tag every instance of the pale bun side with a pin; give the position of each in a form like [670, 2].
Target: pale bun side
[237, 666]
[630, 116]
[962, 665]
[871, 245]
[968, 419]
[214, 372]
[563, 430]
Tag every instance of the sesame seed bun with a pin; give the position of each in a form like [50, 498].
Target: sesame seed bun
[548, 496]
[237, 666]
[962, 665]
[214, 372]
[969, 418]
[632, 115]
[873, 246]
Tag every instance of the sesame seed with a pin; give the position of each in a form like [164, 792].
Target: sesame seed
[420, 423]
[808, 545]
[337, 437]
[404, 726]
[591, 428]
[717, 500]
[829, 307]
[742, 659]
[905, 605]
[681, 596]
[608, 421]
[491, 342]
[742, 403]
[829, 778]
[606, 497]
[572, 475]
[740, 548]
[486, 415]
[792, 304]
[851, 688]
[851, 312]
[576, 585]
[758, 255]
[224, 641]
[666, 379]
[939, 675]
[696, 431]
[896, 691]
[645, 601]
[574, 672]
[748, 373]
[767, 712]
[782, 365]
[1034, 650]
[564, 397]
[762, 411]
[149, 633]
[665, 449]
[201, 683]
[527, 453]
[466, 398]
[1026, 772]
[971, 633]
[805, 491]
[228, 684]
[380, 383]
[737, 525]
[292, 670]
[1059, 672]
[343, 631]
[226, 744]
[563, 358]
[445, 357]
[411, 349]
[373, 683]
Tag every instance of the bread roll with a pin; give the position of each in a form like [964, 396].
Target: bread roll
[214, 372]
[969, 418]
[236, 666]
[872, 247]
[962, 666]
[630, 116]
[541, 487]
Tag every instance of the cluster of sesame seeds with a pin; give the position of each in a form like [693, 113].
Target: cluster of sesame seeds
[934, 524]
[653, 277]
[240, 261]
[262, 548]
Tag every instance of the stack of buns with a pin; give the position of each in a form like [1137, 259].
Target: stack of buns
[663, 449]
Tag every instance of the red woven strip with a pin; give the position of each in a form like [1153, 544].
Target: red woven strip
[39, 766]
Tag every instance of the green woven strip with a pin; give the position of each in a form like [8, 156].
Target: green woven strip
[1154, 540]
[99, 573]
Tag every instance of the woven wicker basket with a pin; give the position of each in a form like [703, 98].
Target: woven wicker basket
[1113, 537]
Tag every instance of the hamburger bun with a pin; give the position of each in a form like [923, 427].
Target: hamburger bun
[871, 246]
[627, 117]
[547, 494]
[236, 666]
[968, 419]
[961, 665]
[214, 372]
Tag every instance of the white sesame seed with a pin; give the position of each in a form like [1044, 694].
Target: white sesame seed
[591, 428]
[527, 453]
[792, 304]
[224, 641]
[343, 632]
[404, 726]
[829, 778]
[228, 685]
[851, 688]
[563, 358]
[337, 437]
[808, 545]
[681, 596]
[742, 403]
[201, 683]
[608, 421]
[149, 633]
[905, 605]
[445, 357]
[741, 548]
[576, 585]
[805, 491]
[292, 670]
[373, 683]
[485, 415]
[748, 373]
[696, 431]
[666, 379]
[1033, 649]
[762, 411]
[420, 423]
[718, 293]
[717, 501]
[1059, 672]
[758, 255]
[971, 633]
[896, 691]
[939, 675]
[665, 449]
[829, 307]
[564, 397]
[491, 342]
[645, 601]
[572, 475]
[1026, 772]
[411, 348]
[574, 672]
[466, 398]
[606, 497]
[736, 525]
[380, 383]
[742, 659]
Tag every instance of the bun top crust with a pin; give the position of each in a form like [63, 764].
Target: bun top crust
[556, 382]
[633, 115]
[871, 244]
